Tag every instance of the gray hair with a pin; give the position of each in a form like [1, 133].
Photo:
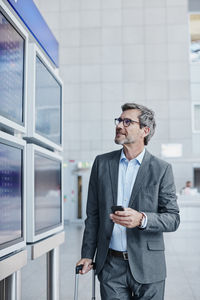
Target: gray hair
[146, 118]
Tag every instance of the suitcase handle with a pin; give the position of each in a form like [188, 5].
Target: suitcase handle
[80, 267]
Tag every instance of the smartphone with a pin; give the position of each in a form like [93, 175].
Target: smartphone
[115, 208]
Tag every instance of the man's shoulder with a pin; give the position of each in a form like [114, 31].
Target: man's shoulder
[109, 155]
[158, 161]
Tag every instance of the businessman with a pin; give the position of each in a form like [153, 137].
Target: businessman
[128, 245]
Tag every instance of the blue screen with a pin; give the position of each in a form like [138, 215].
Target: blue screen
[11, 71]
[10, 194]
[48, 104]
[47, 193]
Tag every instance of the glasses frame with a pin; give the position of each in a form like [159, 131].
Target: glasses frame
[119, 120]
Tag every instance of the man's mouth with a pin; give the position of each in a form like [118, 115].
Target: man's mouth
[119, 133]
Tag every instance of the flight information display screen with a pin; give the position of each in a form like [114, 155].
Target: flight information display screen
[48, 95]
[10, 195]
[48, 209]
[11, 71]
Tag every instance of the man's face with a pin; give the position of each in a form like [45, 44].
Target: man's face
[131, 134]
[189, 184]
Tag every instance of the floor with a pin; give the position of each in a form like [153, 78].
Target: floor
[182, 255]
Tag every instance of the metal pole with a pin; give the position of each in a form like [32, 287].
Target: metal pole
[93, 284]
[18, 285]
[53, 274]
[10, 287]
[2, 289]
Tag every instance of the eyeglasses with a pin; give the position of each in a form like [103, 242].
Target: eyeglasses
[126, 122]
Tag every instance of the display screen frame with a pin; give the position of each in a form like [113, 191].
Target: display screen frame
[5, 121]
[32, 234]
[32, 133]
[20, 242]
[39, 231]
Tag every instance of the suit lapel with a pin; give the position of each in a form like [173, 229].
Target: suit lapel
[114, 170]
[142, 172]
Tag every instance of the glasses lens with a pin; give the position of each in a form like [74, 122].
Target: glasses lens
[127, 122]
[116, 122]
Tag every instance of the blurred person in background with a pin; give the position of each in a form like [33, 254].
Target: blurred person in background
[128, 244]
[187, 189]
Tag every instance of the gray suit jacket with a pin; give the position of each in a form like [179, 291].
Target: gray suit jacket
[153, 193]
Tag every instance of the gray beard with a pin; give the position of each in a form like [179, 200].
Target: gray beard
[122, 142]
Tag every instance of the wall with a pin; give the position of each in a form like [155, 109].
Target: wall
[114, 51]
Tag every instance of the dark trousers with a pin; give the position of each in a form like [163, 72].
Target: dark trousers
[117, 283]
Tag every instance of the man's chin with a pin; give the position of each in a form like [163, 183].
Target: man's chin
[119, 142]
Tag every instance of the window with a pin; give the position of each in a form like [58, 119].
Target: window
[195, 37]
[196, 118]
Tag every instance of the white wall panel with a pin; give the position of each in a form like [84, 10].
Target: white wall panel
[70, 19]
[90, 18]
[90, 55]
[90, 36]
[132, 17]
[178, 33]
[179, 71]
[157, 53]
[155, 34]
[154, 3]
[111, 54]
[111, 73]
[111, 35]
[90, 4]
[195, 91]
[112, 91]
[156, 90]
[67, 5]
[178, 52]
[176, 15]
[111, 17]
[133, 54]
[113, 51]
[134, 91]
[133, 35]
[195, 72]
[111, 4]
[90, 111]
[90, 73]
[90, 92]
[133, 72]
[69, 38]
[154, 16]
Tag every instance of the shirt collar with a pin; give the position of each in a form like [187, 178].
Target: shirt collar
[138, 159]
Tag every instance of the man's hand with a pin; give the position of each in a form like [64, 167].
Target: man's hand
[129, 218]
[87, 265]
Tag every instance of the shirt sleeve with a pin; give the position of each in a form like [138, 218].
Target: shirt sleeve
[144, 221]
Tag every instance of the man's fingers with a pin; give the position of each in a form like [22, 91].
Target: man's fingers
[87, 265]
[86, 268]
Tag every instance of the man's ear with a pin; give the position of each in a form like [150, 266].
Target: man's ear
[146, 130]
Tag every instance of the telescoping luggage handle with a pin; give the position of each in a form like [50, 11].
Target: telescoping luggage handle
[77, 269]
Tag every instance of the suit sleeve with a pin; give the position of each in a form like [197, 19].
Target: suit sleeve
[167, 218]
[92, 221]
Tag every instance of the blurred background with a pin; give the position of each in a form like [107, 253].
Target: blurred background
[143, 51]
[116, 51]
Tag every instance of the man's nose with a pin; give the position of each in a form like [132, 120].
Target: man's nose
[120, 125]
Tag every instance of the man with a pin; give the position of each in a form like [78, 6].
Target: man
[187, 189]
[128, 245]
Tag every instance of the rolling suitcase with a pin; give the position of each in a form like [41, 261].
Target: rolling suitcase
[77, 269]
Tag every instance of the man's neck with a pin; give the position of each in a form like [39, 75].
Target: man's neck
[132, 151]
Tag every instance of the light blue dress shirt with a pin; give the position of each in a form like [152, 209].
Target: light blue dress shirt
[126, 178]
